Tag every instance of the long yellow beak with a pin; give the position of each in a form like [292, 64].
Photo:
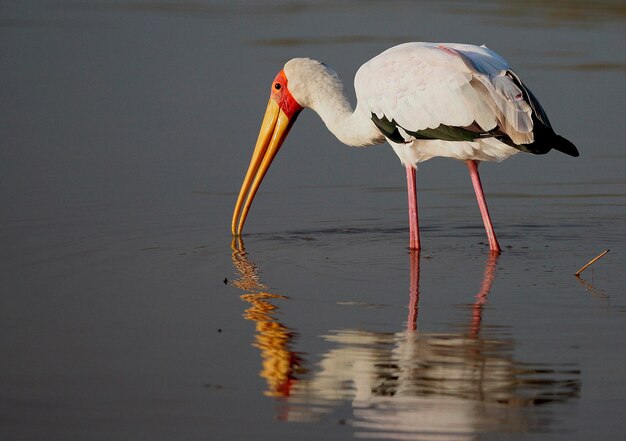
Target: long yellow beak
[274, 130]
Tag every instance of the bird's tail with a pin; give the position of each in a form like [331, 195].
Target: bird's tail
[563, 145]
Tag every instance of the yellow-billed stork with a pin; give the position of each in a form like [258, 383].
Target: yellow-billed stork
[453, 100]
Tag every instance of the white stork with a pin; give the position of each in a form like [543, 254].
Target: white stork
[425, 99]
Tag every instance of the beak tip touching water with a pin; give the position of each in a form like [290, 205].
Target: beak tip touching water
[274, 129]
[282, 110]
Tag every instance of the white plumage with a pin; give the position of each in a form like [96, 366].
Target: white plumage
[422, 86]
[426, 99]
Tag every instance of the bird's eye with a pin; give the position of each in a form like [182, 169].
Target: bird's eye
[277, 86]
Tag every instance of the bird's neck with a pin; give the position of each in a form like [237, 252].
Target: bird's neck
[351, 127]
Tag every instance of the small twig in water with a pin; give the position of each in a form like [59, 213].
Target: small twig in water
[577, 274]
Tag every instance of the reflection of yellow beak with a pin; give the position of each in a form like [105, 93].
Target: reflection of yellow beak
[274, 130]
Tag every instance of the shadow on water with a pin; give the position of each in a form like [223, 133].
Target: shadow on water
[409, 384]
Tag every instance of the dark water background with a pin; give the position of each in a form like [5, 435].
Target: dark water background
[125, 132]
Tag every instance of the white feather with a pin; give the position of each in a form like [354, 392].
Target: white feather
[421, 86]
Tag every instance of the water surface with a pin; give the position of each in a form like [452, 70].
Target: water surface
[128, 313]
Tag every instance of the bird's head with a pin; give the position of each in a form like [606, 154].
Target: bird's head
[282, 111]
[290, 92]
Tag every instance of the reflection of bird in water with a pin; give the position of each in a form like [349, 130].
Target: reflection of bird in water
[280, 364]
[410, 384]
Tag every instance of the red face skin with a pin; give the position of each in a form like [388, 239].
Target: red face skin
[277, 122]
[280, 93]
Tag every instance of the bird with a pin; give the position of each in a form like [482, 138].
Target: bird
[459, 101]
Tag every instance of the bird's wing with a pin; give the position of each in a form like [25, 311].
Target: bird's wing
[445, 91]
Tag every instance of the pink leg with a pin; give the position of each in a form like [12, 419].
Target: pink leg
[481, 297]
[414, 230]
[414, 289]
[482, 203]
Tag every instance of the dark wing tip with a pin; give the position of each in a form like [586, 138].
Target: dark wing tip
[565, 146]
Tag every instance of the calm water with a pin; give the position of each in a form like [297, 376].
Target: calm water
[127, 313]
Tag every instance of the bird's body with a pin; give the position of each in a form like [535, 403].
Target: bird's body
[426, 99]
